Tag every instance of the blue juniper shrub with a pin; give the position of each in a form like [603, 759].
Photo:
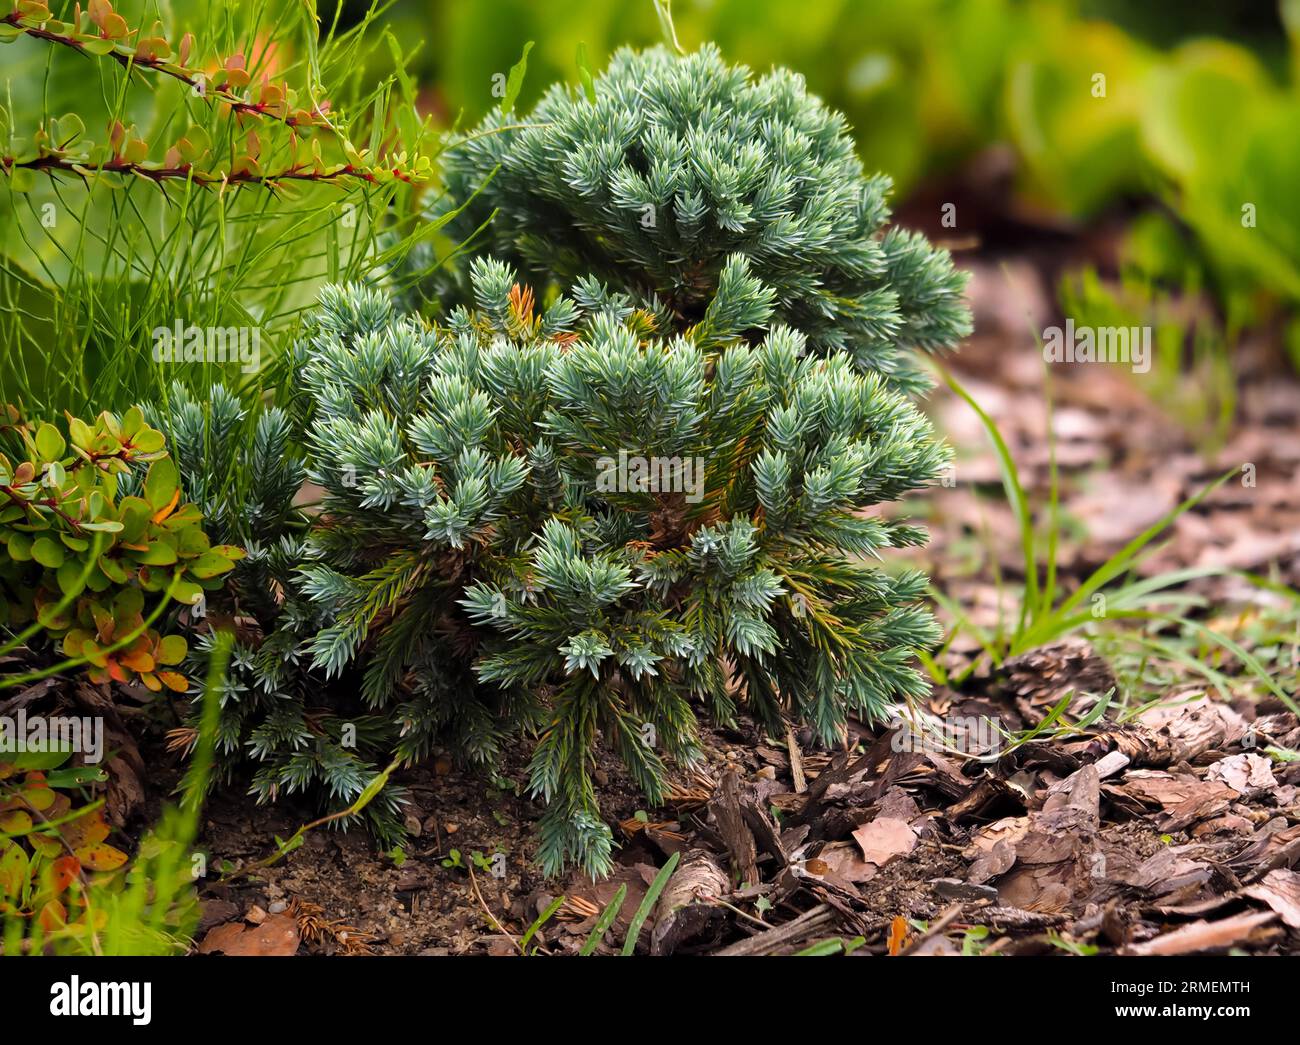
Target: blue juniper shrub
[680, 164]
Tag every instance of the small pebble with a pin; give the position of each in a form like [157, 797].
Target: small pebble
[955, 889]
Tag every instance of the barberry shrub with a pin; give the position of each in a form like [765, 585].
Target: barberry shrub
[571, 523]
[92, 528]
[667, 167]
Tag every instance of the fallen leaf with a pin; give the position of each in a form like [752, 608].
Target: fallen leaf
[1010, 830]
[842, 859]
[1244, 773]
[885, 838]
[992, 863]
[275, 937]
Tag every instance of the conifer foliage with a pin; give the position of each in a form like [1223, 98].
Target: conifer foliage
[629, 474]
[566, 523]
[666, 167]
[238, 463]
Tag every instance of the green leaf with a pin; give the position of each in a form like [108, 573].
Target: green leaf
[49, 443]
[94, 45]
[113, 569]
[192, 541]
[210, 564]
[149, 441]
[515, 81]
[40, 760]
[160, 553]
[647, 904]
[106, 526]
[70, 576]
[22, 179]
[47, 552]
[135, 514]
[172, 649]
[187, 592]
[127, 604]
[68, 129]
[82, 434]
[13, 871]
[161, 483]
[605, 920]
[132, 422]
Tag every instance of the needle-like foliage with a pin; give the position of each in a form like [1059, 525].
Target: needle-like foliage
[566, 523]
[670, 166]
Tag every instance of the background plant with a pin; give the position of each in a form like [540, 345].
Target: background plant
[213, 170]
[63, 890]
[48, 847]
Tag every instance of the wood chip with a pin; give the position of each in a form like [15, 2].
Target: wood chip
[796, 762]
[685, 909]
[1281, 891]
[1205, 936]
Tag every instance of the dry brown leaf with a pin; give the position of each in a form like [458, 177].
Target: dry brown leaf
[992, 863]
[1244, 773]
[885, 838]
[1009, 829]
[277, 936]
[842, 859]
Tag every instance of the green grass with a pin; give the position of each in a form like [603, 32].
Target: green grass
[1114, 606]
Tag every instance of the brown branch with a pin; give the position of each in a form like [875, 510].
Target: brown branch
[130, 62]
[158, 175]
[30, 505]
